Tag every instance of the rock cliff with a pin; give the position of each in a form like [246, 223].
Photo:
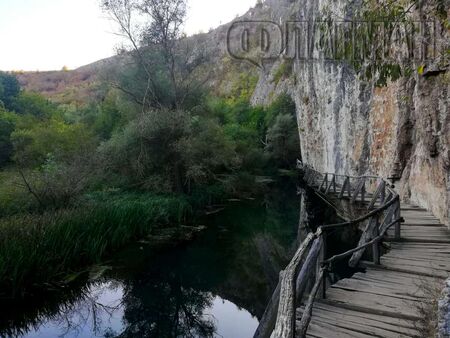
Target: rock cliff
[351, 124]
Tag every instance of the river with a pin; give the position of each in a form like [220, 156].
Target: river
[214, 286]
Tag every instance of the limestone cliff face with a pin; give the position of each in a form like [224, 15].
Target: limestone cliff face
[350, 125]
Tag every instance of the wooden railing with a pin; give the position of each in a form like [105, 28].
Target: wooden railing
[308, 271]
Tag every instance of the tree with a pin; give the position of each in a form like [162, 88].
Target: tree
[9, 89]
[34, 104]
[283, 140]
[7, 125]
[165, 63]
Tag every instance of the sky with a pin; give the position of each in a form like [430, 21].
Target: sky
[50, 34]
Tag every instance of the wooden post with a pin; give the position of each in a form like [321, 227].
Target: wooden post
[325, 181]
[398, 224]
[379, 192]
[267, 323]
[365, 238]
[345, 185]
[322, 257]
[358, 189]
[285, 323]
[363, 191]
[349, 186]
[308, 268]
[383, 192]
[329, 185]
[376, 246]
[324, 284]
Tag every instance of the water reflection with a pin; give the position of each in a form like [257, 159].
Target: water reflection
[216, 286]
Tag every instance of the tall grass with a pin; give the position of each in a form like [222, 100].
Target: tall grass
[43, 249]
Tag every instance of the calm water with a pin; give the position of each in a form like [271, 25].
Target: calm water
[215, 286]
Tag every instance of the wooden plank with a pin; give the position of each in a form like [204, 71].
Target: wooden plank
[328, 331]
[302, 326]
[365, 238]
[381, 187]
[362, 316]
[285, 323]
[419, 271]
[308, 267]
[377, 304]
[371, 328]
[268, 320]
[405, 292]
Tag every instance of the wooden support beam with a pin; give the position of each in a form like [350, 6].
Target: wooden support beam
[365, 238]
[332, 181]
[307, 313]
[324, 182]
[285, 323]
[397, 215]
[345, 186]
[376, 245]
[308, 268]
[358, 189]
[380, 192]
[267, 322]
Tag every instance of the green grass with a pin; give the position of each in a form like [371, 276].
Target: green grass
[47, 249]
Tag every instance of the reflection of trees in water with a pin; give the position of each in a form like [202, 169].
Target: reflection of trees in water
[166, 294]
[255, 273]
[165, 309]
[71, 312]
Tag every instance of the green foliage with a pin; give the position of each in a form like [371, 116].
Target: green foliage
[40, 248]
[7, 125]
[34, 140]
[283, 71]
[148, 151]
[9, 90]
[242, 89]
[282, 105]
[27, 103]
[14, 197]
[283, 140]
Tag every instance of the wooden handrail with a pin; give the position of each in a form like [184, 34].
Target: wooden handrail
[352, 251]
[294, 279]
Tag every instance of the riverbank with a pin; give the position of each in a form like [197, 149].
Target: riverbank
[52, 249]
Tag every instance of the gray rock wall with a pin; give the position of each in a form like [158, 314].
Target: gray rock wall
[349, 125]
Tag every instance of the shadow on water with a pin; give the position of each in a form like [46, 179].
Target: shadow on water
[215, 286]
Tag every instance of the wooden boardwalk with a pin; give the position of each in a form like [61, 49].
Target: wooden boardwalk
[385, 300]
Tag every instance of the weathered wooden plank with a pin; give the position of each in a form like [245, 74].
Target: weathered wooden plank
[378, 193]
[391, 290]
[358, 189]
[363, 316]
[268, 320]
[359, 327]
[302, 327]
[326, 331]
[285, 323]
[346, 186]
[308, 267]
[376, 304]
[418, 271]
[365, 238]
[375, 325]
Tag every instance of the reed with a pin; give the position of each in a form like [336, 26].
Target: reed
[46, 249]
